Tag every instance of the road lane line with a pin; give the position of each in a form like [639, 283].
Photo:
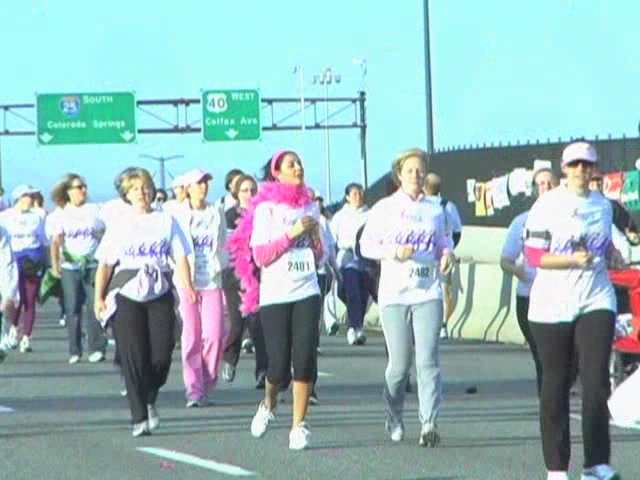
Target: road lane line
[325, 374]
[224, 468]
[635, 426]
[4, 409]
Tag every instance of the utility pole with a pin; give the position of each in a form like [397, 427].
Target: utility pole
[162, 161]
[427, 79]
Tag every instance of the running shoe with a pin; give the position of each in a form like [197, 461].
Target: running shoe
[96, 357]
[443, 333]
[261, 421]
[228, 372]
[557, 475]
[299, 437]
[247, 346]
[351, 336]
[73, 359]
[261, 381]
[361, 338]
[394, 429]
[13, 337]
[154, 418]
[25, 345]
[140, 429]
[429, 436]
[193, 404]
[63, 321]
[600, 472]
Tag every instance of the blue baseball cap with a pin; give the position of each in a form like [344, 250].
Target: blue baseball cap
[22, 190]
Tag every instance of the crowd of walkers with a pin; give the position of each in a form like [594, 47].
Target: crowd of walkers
[261, 259]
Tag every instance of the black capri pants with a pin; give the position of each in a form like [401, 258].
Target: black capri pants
[291, 337]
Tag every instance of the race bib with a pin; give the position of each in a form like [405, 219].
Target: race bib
[418, 275]
[298, 263]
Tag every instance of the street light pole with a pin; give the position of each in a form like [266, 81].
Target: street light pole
[162, 161]
[427, 79]
[363, 121]
[326, 78]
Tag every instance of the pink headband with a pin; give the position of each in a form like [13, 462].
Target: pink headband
[275, 159]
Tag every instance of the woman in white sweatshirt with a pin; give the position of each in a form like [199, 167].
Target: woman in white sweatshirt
[203, 328]
[358, 282]
[406, 233]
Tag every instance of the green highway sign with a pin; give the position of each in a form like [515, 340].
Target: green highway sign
[230, 115]
[81, 118]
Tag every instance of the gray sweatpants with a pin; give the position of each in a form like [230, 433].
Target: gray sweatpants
[401, 325]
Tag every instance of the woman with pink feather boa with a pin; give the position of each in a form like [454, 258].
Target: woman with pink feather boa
[276, 249]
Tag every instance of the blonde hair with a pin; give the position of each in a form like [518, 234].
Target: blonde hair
[125, 181]
[398, 163]
[59, 194]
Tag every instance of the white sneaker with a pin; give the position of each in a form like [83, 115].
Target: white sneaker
[261, 421]
[63, 321]
[361, 338]
[154, 418]
[25, 345]
[600, 472]
[96, 357]
[247, 346]
[443, 332]
[299, 437]
[228, 372]
[140, 429]
[351, 336]
[73, 359]
[557, 475]
[429, 436]
[13, 337]
[193, 403]
[395, 430]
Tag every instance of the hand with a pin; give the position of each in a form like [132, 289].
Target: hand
[632, 237]
[304, 225]
[446, 262]
[404, 252]
[192, 296]
[581, 259]
[8, 306]
[99, 308]
[56, 270]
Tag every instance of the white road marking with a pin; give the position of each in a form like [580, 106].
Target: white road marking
[634, 426]
[224, 468]
[325, 374]
[4, 409]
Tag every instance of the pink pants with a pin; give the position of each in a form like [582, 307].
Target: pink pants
[202, 341]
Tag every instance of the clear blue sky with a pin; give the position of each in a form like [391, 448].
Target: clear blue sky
[501, 72]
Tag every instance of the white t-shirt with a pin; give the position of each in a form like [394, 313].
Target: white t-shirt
[82, 228]
[293, 275]
[398, 220]
[562, 222]
[143, 239]
[205, 245]
[114, 210]
[26, 229]
[513, 249]
[344, 227]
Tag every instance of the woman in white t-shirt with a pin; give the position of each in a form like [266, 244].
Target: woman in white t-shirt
[76, 232]
[572, 307]
[29, 244]
[406, 233]
[513, 261]
[134, 265]
[282, 229]
[203, 328]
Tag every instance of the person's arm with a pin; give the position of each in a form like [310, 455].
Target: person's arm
[267, 253]
[9, 290]
[56, 244]
[221, 251]
[103, 274]
[183, 271]
[512, 249]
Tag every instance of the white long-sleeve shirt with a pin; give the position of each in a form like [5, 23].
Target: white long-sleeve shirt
[344, 227]
[399, 220]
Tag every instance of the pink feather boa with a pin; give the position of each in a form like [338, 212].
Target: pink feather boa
[247, 271]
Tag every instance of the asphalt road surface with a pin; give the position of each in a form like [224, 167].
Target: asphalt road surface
[61, 421]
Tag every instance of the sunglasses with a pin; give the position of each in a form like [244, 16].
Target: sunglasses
[78, 187]
[252, 190]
